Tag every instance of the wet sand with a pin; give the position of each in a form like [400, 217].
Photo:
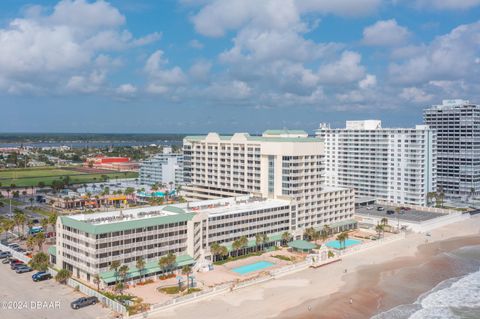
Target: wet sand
[373, 289]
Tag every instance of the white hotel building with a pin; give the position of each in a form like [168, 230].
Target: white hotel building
[394, 164]
[163, 168]
[280, 164]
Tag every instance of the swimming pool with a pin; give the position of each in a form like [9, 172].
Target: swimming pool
[252, 267]
[336, 244]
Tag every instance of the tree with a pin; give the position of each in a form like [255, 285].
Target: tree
[114, 265]
[384, 221]
[39, 261]
[140, 264]
[52, 220]
[31, 201]
[342, 237]
[286, 237]
[324, 235]
[44, 223]
[163, 263]
[243, 242]
[40, 240]
[8, 225]
[264, 239]
[62, 276]
[236, 245]
[96, 281]
[379, 229]
[122, 272]
[186, 270]
[258, 240]
[30, 243]
[41, 184]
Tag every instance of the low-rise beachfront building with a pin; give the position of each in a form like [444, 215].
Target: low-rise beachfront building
[87, 244]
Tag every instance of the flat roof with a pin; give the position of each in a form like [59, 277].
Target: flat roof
[301, 244]
[411, 215]
[251, 138]
[120, 220]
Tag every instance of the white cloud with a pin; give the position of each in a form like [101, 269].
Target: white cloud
[61, 48]
[416, 95]
[448, 4]
[161, 78]
[126, 89]
[344, 70]
[233, 90]
[87, 84]
[448, 57]
[200, 70]
[219, 16]
[385, 33]
[368, 82]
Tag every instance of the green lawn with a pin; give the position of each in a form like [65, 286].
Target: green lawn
[31, 177]
[6, 201]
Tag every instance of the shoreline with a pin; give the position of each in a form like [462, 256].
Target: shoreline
[291, 295]
[375, 289]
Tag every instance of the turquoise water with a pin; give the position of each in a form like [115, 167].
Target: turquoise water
[336, 244]
[154, 194]
[252, 267]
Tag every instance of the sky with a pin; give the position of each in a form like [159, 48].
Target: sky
[195, 66]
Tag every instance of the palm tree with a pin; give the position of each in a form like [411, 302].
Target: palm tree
[62, 276]
[44, 223]
[215, 249]
[384, 221]
[30, 243]
[39, 240]
[324, 235]
[96, 281]
[31, 201]
[286, 237]
[258, 240]
[243, 242]
[163, 263]
[379, 229]
[114, 266]
[186, 270]
[342, 237]
[52, 220]
[22, 219]
[236, 245]
[122, 272]
[140, 264]
[264, 239]
[327, 229]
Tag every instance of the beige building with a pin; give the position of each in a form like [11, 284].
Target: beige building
[280, 164]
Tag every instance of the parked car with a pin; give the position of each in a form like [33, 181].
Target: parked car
[380, 208]
[13, 246]
[6, 260]
[369, 207]
[390, 212]
[16, 264]
[5, 254]
[23, 268]
[83, 302]
[20, 250]
[41, 275]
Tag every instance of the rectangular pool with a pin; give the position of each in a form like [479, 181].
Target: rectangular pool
[349, 242]
[242, 270]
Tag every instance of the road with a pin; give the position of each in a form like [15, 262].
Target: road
[21, 298]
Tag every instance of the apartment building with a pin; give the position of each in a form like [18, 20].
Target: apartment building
[163, 168]
[280, 164]
[394, 164]
[458, 138]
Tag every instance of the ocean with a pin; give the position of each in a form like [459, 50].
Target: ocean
[454, 298]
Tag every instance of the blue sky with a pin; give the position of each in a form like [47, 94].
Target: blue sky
[231, 65]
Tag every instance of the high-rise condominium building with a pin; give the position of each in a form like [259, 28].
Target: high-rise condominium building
[163, 168]
[280, 164]
[458, 137]
[394, 164]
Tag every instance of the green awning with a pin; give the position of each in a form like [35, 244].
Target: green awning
[151, 267]
[52, 250]
[301, 245]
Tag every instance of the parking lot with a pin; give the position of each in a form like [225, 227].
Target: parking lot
[21, 298]
[406, 215]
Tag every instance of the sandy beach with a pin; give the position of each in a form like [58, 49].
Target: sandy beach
[377, 279]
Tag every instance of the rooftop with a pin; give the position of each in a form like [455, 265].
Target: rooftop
[120, 220]
[249, 138]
